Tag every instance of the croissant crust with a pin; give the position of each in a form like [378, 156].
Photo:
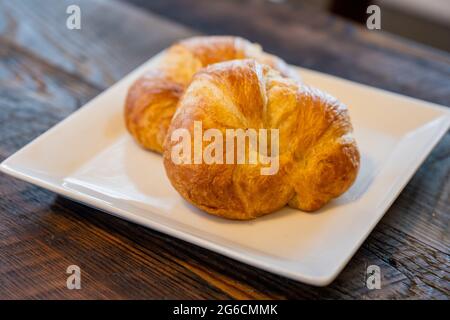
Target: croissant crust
[318, 156]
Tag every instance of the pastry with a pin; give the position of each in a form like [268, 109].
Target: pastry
[317, 157]
[153, 98]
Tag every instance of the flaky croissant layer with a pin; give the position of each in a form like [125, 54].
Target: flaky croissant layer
[153, 98]
[318, 158]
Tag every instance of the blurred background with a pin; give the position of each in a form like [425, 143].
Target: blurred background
[424, 21]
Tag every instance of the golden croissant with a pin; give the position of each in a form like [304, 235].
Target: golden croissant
[317, 156]
[153, 98]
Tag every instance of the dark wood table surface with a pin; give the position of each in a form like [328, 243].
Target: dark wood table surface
[48, 71]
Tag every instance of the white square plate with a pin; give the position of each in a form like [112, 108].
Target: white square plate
[90, 158]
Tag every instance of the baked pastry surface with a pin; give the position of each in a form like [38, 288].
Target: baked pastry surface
[318, 156]
[153, 98]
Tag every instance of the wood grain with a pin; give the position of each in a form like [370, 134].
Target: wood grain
[99, 52]
[47, 72]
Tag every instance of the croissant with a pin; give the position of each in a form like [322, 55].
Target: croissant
[153, 98]
[317, 156]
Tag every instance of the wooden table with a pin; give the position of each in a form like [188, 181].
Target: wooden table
[48, 71]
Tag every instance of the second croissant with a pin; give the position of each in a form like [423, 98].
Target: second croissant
[153, 98]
